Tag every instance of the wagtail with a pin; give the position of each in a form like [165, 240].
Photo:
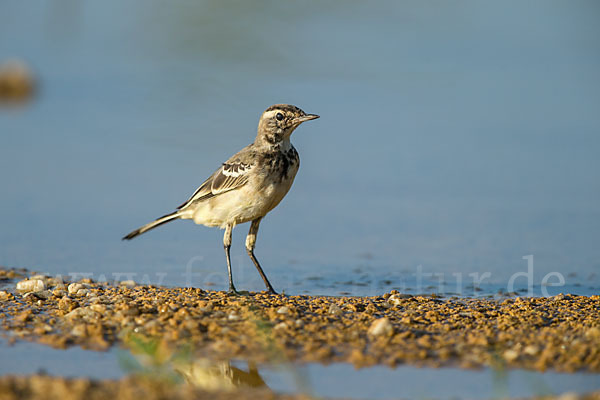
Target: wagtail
[248, 185]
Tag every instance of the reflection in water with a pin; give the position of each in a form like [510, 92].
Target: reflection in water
[160, 360]
[331, 381]
[211, 375]
[156, 360]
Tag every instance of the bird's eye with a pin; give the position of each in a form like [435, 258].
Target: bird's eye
[279, 116]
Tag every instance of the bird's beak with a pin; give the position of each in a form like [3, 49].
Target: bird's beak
[306, 117]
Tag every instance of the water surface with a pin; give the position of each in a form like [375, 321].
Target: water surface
[454, 137]
[335, 381]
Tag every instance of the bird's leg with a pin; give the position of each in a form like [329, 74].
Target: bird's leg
[227, 246]
[250, 243]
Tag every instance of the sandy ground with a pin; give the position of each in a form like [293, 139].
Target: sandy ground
[560, 333]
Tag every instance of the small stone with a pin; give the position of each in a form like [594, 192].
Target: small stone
[56, 283]
[130, 283]
[31, 285]
[531, 350]
[82, 292]
[381, 327]
[152, 324]
[233, 317]
[396, 298]
[99, 308]
[593, 333]
[82, 312]
[44, 294]
[4, 296]
[510, 355]
[31, 296]
[334, 309]
[130, 311]
[43, 329]
[299, 323]
[79, 330]
[24, 317]
[74, 287]
[279, 326]
[283, 310]
[67, 304]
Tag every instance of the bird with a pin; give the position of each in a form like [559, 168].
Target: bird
[247, 186]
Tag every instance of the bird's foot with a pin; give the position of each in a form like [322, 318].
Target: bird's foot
[234, 292]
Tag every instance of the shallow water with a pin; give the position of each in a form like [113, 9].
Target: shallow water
[335, 380]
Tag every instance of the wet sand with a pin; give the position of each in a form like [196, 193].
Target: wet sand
[560, 333]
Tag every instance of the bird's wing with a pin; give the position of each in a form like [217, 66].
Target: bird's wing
[231, 175]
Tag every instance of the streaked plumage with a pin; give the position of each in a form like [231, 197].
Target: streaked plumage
[248, 185]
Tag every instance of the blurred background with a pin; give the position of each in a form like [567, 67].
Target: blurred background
[455, 137]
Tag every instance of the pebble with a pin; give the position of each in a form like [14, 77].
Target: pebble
[74, 287]
[381, 327]
[79, 330]
[531, 350]
[99, 308]
[283, 310]
[396, 298]
[233, 317]
[334, 309]
[31, 285]
[593, 333]
[510, 355]
[66, 304]
[82, 312]
[280, 326]
[5, 295]
[128, 283]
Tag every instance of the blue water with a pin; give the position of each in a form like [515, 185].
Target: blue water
[334, 381]
[454, 137]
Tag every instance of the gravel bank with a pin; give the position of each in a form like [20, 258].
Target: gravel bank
[560, 333]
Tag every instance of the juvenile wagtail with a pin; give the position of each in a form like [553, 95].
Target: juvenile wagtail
[248, 185]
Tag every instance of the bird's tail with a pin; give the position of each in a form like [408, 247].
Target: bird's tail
[162, 220]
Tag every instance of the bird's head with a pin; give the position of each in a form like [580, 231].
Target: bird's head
[279, 121]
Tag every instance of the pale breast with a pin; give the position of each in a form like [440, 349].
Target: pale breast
[277, 177]
[266, 187]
